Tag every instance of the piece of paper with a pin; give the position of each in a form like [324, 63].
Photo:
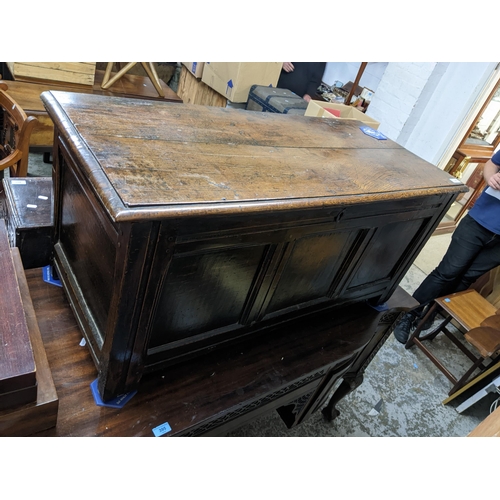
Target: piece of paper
[493, 192]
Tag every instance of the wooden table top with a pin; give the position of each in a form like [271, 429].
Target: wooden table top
[157, 153]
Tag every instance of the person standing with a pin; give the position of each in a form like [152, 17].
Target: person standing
[474, 250]
[302, 78]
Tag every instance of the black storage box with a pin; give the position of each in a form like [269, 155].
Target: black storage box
[273, 100]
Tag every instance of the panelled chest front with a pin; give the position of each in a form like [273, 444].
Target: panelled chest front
[179, 227]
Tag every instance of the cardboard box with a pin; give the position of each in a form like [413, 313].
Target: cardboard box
[193, 91]
[318, 108]
[233, 80]
[81, 73]
[367, 94]
[195, 68]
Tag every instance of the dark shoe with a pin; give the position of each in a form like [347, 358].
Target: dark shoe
[404, 327]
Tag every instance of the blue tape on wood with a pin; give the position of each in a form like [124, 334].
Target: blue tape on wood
[381, 307]
[118, 402]
[49, 277]
[372, 133]
[162, 429]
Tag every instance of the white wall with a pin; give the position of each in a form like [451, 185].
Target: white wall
[347, 71]
[422, 105]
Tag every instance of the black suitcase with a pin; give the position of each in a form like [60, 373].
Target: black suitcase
[273, 100]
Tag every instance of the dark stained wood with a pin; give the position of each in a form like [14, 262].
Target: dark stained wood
[353, 378]
[41, 414]
[17, 365]
[211, 395]
[29, 218]
[182, 227]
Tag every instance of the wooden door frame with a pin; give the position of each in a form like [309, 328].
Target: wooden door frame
[472, 116]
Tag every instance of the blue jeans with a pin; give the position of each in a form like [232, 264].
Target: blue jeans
[473, 251]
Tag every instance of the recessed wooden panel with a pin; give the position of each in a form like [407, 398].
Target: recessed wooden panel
[310, 269]
[204, 292]
[88, 248]
[385, 250]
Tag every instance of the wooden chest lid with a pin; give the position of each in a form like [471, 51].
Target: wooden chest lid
[173, 157]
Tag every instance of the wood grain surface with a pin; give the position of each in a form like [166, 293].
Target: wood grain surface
[163, 153]
[40, 414]
[469, 308]
[489, 427]
[17, 365]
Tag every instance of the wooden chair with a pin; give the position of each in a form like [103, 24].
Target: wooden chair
[15, 132]
[477, 318]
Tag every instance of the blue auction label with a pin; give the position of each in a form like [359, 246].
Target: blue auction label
[162, 429]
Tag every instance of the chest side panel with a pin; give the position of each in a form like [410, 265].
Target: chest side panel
[87, 244]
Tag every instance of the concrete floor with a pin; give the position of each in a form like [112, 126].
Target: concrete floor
[404, 386]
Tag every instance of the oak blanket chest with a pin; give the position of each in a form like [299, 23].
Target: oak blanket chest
[182, 227]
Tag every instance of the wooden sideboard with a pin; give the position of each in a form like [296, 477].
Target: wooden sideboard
[179, 228]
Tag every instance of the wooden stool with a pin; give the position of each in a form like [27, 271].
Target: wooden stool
[148, 67]
[477, 317]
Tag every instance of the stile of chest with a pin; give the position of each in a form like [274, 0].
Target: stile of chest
[181, 227]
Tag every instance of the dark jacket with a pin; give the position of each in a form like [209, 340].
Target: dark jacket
[304, 79]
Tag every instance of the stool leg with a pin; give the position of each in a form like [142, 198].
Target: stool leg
[416, 332]
[433, 334]
[107, 83]
[463, 380]
[153, 76]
